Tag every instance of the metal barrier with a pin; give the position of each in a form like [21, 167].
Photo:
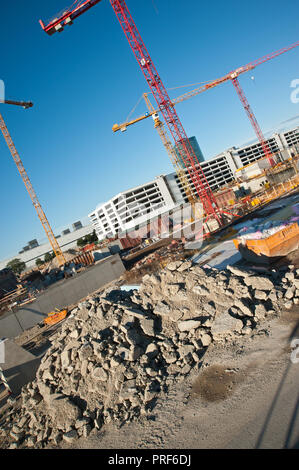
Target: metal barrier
[276, 191]
[85, 258]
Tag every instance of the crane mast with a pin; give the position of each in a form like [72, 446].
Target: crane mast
[171, 152]
[171, 118]
[233, 77]
[165, 106]
[253, 120]
[36, 204]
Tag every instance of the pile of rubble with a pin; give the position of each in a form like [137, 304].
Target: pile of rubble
[117, 352]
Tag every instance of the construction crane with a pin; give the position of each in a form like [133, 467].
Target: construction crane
[160, 94]
[67, 16]
[233, 77]
[179, 168]
[42, 217]
[168, 146]
[174, 157]
[24, 104]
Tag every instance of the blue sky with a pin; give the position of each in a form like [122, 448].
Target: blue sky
[84, 80]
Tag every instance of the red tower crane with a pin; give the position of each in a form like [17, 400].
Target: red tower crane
[233, 77]
[154, 81]
[67, 16]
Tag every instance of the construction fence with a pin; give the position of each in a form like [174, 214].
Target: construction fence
[276, 191]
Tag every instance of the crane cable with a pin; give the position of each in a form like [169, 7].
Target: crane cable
[173, 88]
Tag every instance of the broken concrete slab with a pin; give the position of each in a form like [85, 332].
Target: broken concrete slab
[189, 325]
[225, 324]
[245, 307]
[259, 283]
[114, 342]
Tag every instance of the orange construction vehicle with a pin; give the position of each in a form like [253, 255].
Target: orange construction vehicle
[55, 317]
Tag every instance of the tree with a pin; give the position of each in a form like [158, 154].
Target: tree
[16, 265]
[90, 238]
[93, 237]
[39, 262]
[49, 257]
[81, 242]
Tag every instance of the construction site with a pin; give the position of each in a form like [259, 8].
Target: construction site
[171, 321]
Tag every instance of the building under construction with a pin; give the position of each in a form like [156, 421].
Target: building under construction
[139, 205]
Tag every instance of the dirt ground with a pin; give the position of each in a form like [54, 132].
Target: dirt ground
[245, 395]
[292, 258]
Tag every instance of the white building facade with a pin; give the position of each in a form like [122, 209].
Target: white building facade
[66, 242]
[132, 208]
[136, 206]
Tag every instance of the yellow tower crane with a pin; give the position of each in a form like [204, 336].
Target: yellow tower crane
[42, 216]
[173, 156]
[169, 148]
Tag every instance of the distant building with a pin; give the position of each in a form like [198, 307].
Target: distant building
[135, 206]
[33, 244]
[283, 144]
[67, 241]
[77, 225]
[132, 207]
[196, 148]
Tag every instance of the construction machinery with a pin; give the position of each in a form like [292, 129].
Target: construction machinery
[184, 148]
[174, 158]
[269, 249]
[36, 204]
[24, 104]
[55, 317]
[233, 77]
[67, 16]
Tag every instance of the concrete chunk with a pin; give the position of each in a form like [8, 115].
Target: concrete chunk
[225, 324]
[188, 325]
[259, 282]
[244, 306]
[237, 271]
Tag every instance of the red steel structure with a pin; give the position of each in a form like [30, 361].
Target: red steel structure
[67, 16]
[255, 124]
[233, 77]
[164, 103]
[175, 126]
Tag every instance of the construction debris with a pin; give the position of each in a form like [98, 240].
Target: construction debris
[256, 229]
[118, 351]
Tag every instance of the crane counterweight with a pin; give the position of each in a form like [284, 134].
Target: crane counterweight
[164, 104]
[68, 16]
